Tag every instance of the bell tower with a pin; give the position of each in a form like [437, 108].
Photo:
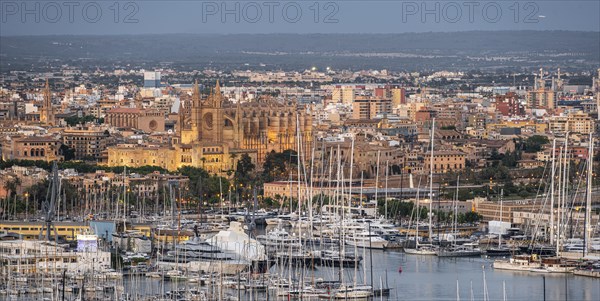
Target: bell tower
[191, 133]
[47, 112]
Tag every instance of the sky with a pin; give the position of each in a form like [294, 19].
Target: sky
[106, 17]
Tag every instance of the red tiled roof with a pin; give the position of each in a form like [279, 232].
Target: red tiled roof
[38, 139]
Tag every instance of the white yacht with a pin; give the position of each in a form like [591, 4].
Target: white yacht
[518, 263]
[235, 240]
[279, 239]
[196, 255]
[274, 221]
[299, 222]
[426, 249]
[384, 229]
[464, 250]
[353, 293]
[364, 239]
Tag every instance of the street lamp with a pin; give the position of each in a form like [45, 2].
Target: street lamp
[488, 190]
[26, 206]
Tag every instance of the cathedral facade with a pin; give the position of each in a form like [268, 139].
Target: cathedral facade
[213, 133]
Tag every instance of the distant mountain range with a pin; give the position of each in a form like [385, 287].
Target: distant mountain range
[569, 50]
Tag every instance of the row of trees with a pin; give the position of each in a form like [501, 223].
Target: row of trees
[74, 120]
[80, 166]
[203, 187]
[18, 200]
[400, 210]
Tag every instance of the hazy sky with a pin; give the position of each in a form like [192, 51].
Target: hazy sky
[44, 17]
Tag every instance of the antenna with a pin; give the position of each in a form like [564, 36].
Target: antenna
[598, 94]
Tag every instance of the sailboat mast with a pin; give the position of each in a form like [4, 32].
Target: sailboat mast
[311, 189]
[361, 188]
[501, 219]
[417, 217]
[565, 187]
[560, 179]
[552, 192]
[124, 198]
[431, 181]
[455, 219]
[342, 228]
[386, 188]
[351, 168]
[564, 193]
[298, 165]
[377, 176]
[172, 201]
[339, 187]
[588, 202]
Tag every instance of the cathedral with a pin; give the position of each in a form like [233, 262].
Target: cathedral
[213, 133]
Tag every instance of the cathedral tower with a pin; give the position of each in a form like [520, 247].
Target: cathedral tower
[47, 112]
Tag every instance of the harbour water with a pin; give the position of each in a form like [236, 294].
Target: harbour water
[433, 278]
[429, 278]
[410, 277]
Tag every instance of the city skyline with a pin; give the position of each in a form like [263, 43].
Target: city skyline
[243, 150]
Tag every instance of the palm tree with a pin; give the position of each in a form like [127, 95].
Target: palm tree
[233, 161]
[18, 185]
[203, 161]
[11, 186]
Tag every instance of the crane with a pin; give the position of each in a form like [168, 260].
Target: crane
[48, 207]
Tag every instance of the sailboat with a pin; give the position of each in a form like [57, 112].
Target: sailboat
[425, 249]
[499, 250]
[456, 250]
[557, 264]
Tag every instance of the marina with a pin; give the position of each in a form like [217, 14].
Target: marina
[421, 278]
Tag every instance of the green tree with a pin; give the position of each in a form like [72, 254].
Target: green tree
[74, 120]
[472, 217]
[67, 152]
[460, 218]
[214, 185]
[11, 186]
[196, 178]
[37, 193]
[510, 159]
[497, 173]
[278, 165]
[270, 202]
[534, 143]
[244, 169]
[423, 213]
[320, 200]
[441, 215]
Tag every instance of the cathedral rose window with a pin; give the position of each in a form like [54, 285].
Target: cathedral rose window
[208, 120]
[153, 125]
